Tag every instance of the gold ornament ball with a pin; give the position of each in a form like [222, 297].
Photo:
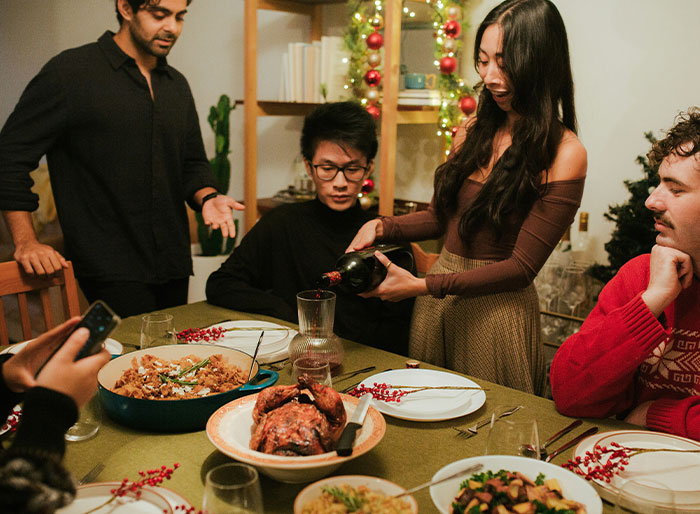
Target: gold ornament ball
[453, 12]
[373, 94]
[374, 59]
[377, 22]
[450, 45]
[365, 202]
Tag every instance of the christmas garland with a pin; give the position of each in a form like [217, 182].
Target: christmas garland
[364, 40]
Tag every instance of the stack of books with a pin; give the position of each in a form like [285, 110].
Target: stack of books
[306, 67]
[429, 97]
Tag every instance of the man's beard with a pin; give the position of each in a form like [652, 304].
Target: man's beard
[150, 47]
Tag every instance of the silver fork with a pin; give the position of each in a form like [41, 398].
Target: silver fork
[474, 429]
[92, 474]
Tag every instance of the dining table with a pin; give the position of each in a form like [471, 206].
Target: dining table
[409, 453]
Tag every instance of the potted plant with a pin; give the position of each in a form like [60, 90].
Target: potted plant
[212, 249]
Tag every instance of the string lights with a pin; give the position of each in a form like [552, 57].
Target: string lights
[364, 40]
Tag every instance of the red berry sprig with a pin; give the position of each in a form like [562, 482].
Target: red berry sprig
[188, 509]
[12, 420]
[603, 462]
[197, 335]
[382, 392]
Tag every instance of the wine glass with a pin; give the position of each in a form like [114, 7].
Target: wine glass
[232, 488]
[573, 288]
[320, 371]
[512, 437]
[644, 496]
[157, 329]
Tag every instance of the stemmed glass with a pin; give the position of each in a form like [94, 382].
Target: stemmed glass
[573, 288]
[644, 497]
[232, 488]
[547, 284]
[512, 437]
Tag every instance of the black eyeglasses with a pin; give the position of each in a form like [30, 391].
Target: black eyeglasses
[352, 172]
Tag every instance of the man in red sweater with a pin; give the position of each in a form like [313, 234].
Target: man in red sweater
[637, 355]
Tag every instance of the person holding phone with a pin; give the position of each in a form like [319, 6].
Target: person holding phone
[504, 198]
[51, 400]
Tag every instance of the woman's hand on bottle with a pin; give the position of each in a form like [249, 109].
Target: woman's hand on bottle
[368, 233]
[399, 283]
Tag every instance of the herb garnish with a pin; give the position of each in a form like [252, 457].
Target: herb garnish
[351, 501]
[165, 378]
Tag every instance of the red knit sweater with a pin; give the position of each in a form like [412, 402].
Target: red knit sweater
[623, 356]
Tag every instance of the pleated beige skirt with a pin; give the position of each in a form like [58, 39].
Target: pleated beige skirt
[495, 337]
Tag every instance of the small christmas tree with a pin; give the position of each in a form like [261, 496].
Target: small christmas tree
[634, 233]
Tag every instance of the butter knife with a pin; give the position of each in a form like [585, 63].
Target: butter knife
[347, 438]
[571, 443]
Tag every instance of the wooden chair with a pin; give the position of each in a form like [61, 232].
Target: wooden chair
[14, 281]
[423, 259]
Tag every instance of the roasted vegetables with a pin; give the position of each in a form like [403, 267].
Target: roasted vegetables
[508, 492]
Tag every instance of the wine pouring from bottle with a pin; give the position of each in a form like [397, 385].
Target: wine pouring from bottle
[361, 271]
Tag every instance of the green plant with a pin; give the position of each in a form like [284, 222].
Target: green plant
[211, 241]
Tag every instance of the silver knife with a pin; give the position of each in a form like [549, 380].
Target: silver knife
[347, 438]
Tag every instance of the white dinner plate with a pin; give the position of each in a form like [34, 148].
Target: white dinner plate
[432, 404]
[91, 496]
[113, 346]
[274, 345]
[573, 487]
[674, 470]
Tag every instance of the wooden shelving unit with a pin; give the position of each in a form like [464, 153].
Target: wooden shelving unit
[392, 114]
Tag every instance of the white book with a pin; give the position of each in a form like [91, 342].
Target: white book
[283, 94]
[336, 70]
[419, 93]
[309, 73]
[317, 72]
[292, 69]
[419, 101]
[300, 72]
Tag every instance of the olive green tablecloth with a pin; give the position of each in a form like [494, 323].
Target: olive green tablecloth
[409, 454]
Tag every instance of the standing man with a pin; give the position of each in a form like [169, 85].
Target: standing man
[637, 355]
[121, 135]
[292, 245]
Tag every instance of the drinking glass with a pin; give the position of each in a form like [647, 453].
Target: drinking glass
[89, 421]
[644, 496]
[512, 437]
[232, 488]
[320, 371]
[157, 329]
[573, 289]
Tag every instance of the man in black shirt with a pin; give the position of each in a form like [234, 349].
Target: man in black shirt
[121, 135]
[292, 245]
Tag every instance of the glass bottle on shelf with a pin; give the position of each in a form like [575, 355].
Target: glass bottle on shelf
[581, 251]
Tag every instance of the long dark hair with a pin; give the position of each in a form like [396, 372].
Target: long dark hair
[536, 61]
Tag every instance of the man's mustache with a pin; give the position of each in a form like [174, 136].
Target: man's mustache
[665, 221]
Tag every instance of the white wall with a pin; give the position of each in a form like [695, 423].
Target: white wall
[634, 64]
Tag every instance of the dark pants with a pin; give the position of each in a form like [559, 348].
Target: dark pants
[130, 298]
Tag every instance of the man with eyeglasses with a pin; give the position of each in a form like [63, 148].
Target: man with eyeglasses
[291, 246]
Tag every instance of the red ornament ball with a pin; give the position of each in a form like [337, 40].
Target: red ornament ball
[374, 111]
[448, 65]
[373, 78]
[368, 185]
[452, 28]
[467, 105]
[375, 41]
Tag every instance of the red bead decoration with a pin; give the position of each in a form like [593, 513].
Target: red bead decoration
[368, 185]
[375, 41]
[467, 105]
[454, 130]
[374, 111]
[452, 28]
[373, 78]
[448, 65]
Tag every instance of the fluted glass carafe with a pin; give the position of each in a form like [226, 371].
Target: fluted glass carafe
[316, 343]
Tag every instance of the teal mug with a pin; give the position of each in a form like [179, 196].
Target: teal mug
[419, 81]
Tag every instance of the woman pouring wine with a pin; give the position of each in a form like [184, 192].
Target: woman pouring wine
[502, 200]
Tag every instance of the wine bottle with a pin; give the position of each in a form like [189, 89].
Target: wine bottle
[357, 272]
[580, 252]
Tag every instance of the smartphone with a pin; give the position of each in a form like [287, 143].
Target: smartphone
[100, 320]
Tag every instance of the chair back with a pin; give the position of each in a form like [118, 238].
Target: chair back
[14, 281]
[424, 260]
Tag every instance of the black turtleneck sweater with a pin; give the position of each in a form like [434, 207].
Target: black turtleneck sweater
[286, 252]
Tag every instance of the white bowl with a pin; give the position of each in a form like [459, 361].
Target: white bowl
[230, 429]
[573, 487]
[378, 485]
